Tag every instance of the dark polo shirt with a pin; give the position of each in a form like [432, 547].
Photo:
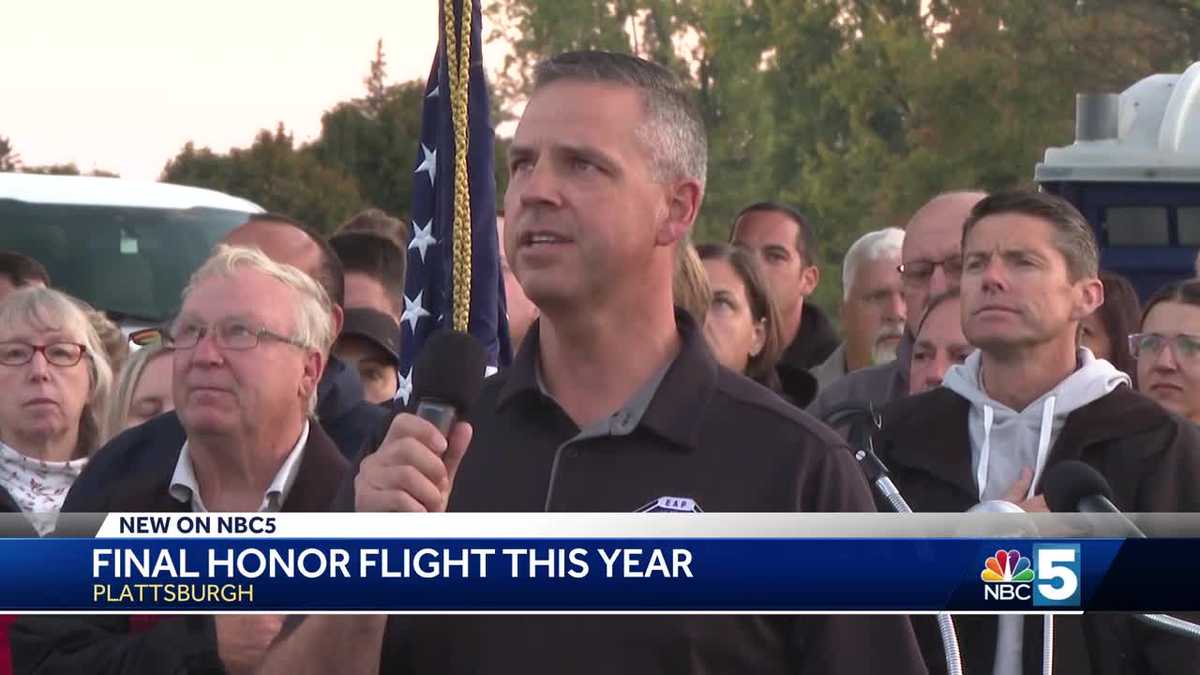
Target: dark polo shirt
[701, 433]
[705, 433]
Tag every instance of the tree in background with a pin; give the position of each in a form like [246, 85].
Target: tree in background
[364, 158]
[374, 138]
[857, 111]
[68, 169]
[276, 175]
[9, 159]
[969, 94]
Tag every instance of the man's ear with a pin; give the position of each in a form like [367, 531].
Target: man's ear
[683, 204]
[1089, 297]
[810, 276]
[339, 318]
[314, 367]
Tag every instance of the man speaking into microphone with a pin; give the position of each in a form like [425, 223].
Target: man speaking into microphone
[613, 402]
[1029, 398]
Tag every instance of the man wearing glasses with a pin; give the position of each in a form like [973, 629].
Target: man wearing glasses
[1025, 400]
[931, 264]
[248, 349]
[341, 408]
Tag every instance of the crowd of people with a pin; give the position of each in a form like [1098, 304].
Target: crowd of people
[983, 330]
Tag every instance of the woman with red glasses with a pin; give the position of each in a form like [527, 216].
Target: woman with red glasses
[1168, 348]
[54, 383]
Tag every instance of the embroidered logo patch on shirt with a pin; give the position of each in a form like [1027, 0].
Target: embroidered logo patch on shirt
[671, 505]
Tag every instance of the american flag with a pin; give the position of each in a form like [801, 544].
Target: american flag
[429, 293]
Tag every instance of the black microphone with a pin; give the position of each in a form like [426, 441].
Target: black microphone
[447, 377]
[1075, 486]
[863, 421]
[1072, 486]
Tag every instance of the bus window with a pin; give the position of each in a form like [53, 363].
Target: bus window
[1137, 226]
[1188, 218]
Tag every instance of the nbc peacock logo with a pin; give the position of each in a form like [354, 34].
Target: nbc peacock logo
[1007, 566]
[1008, 575]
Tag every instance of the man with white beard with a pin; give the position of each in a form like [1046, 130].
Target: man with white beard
[873, 308]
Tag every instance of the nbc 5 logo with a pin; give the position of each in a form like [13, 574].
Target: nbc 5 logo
[1050, 580]
[1058, 575]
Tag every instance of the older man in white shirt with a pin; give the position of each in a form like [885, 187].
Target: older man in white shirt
[249, 346]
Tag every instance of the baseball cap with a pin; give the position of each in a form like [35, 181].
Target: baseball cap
[376, 327]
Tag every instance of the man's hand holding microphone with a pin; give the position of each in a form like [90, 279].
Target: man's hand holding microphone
[413, 469]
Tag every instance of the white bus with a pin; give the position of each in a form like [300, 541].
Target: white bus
[126, 247]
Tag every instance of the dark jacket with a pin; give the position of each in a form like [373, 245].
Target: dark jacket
[815, 340]
[10, 505]
[7, 503]
[133, 473]
[344, 415]
[1150, 457]
[707, 434]
[877, 385]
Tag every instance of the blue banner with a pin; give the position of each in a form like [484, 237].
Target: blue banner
[717, 575]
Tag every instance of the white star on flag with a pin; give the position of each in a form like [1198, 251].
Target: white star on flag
[404, 387]
[434, 93]
[428, 163]
[413, 311]
[422, 238]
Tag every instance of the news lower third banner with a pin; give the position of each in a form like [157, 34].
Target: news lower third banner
[646, 562]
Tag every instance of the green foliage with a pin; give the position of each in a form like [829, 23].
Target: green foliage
[364, 158]
[857, 111]
[9, 159]
[68, 169]
[276, 175]
[374, 139]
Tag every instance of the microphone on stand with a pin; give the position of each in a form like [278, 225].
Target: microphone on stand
[864, 421]
[1073, 486]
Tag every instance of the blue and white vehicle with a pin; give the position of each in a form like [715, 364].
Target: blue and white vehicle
[1134, 172]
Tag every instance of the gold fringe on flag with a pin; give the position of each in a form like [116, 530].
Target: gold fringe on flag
[458, 66]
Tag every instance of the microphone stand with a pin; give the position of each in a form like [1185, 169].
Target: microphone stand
[862, 443]
[1170, 624]
[1179, 627]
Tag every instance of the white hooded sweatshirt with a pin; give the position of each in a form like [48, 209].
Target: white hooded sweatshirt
[1004, 441]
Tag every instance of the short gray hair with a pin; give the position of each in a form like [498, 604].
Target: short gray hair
[673, 132]
[314, 310]
[875, 245]
[48, 309]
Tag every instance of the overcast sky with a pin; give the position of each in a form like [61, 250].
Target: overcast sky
[122, 85]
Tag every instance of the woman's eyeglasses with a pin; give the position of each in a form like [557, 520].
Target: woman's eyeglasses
[63, 354]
